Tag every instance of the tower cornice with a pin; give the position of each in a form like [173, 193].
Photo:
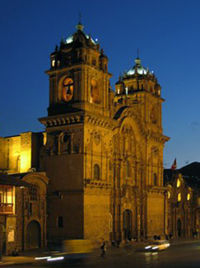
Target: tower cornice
[62, 119]
[75, 67]
[99, 120]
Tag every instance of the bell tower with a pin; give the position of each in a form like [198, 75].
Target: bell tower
[78, 75]
[78, 116]
[138, 96]
[140, 86]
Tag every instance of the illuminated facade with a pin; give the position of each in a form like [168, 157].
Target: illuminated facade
[104, 150]
[22, 194]
[20, 153]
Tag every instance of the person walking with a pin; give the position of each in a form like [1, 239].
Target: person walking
[103, 249]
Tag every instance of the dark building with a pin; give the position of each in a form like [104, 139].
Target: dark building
[183, 206]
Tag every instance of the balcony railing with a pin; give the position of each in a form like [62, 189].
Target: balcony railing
[6, 208]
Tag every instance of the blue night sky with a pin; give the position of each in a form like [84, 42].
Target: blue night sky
[167, 34]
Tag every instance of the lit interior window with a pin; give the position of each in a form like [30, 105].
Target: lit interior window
[188, 196]
[178, 184]
[9, 196]
[118, 91]
[53, 62]
[179, 197]
[168, 195]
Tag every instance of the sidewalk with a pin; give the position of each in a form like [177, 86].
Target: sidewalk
[26, 257]
[10, 260]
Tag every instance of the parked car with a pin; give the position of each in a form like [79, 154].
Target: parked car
[157, 245]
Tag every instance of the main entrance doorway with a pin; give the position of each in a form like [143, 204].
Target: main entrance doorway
[127, 224]
[179, 227]
[33, 235]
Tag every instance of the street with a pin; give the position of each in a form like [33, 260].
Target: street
[178, 255]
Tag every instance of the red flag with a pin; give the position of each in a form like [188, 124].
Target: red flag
[174, 166]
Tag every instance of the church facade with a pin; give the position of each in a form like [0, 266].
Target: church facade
[97, 170]
[103, 150]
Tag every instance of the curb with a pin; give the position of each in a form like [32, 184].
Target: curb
[7, 263]
[14, 263]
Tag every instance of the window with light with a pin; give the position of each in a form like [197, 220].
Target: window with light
[178, 183]
[179, 197]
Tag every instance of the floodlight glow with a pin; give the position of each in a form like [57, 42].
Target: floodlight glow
[69, 40]
[139, 71]
[89, 37]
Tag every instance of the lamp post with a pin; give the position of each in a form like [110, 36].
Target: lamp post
[1, 240]
[2, 234]
[22, 191]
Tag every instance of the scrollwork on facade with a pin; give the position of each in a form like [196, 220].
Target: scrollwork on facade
[97, 138]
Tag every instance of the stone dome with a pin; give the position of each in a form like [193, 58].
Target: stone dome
[79, 32]
[138, 69]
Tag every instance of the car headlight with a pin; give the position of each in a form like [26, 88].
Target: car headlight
[55, 258]
[42, 258]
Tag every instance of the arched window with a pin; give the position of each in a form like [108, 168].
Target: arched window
[178, 183]
[179, 197]
[96, 172]
[66, 143]
[127, 224]
[53, 63]
[33, 192]
[128, 169]
[76, 147]
[68, 89]
[95, 92]
[155, 179]
[55, 145]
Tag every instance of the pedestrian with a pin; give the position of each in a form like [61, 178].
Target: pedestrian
[103, 249]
